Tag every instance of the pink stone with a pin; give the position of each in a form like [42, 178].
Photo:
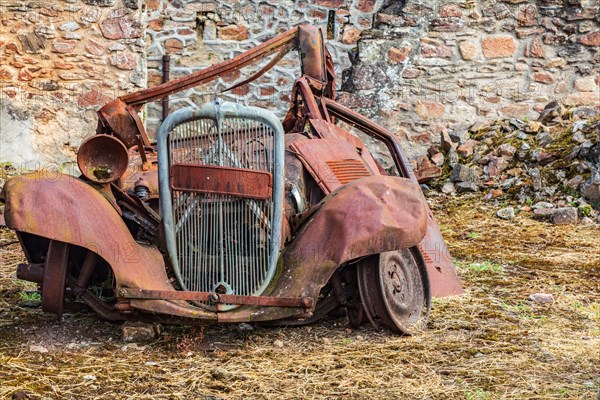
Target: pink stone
[94, 47]
[233, 32]
[120, 28]
[536, 49]
[124, 60]
[450, 10]
[498, 47]
[63, 46]
[366, 6]
[527, 15]
[543, 77]
[351, 35]
[173, 46]
[92, 98]
[429, 109]
[398, 55]
[431, 48]
[468, 50]
[591, 39]
[329, 3]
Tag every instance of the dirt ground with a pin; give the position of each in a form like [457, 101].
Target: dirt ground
[491, 343]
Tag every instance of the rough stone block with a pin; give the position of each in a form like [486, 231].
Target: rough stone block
[468, 50]
[499, 47]
[233, 32]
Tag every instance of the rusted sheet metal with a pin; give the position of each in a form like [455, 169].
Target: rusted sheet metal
[360, 219]
[122, 120]
[66, 209]
[327, 130]
[442, 275]
[310, 43]
[102, 158]
[332, 162]
[298, 302]
[239, 182]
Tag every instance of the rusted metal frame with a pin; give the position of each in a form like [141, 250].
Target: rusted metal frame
[135, 205]
[121, 120]
[140, 127]
[31, 272]
[55, 276]
[166, 70]
[329, 91]
[101, 308]
[375, 130]
[205, 75]
[285, 49]
[219, 112]
[86, 272]
[267, 301]
[140, 144]
[324, 307]
[442, 275]
[312, 53]
[230, 181]
[303, 89]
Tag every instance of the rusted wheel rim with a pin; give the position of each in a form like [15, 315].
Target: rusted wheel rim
[394, 290]
[404, 290]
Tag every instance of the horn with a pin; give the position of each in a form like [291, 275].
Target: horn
[102, 158]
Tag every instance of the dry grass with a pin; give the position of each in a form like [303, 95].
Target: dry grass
[491, 343]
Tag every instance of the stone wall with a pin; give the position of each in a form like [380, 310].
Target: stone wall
[419, 68]
[433, 67]
[197, 34]
[62, 60]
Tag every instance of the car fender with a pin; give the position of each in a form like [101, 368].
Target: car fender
[368, 216]
[64, 208]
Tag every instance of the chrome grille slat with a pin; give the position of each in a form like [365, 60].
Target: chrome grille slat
[216, 239]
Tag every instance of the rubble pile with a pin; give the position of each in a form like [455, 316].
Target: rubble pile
[550, 166]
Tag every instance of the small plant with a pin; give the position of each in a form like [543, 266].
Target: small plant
[473, 235]
[478, 394]
[585, 210]
[30, 295]
[522, 309]
[571, 192]
[485, 266]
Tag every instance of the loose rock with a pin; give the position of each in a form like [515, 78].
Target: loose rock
[558, 216]
[507, 213]
[137, 332]
[448, 188]
[462, 187]
[37, 348]
[542, 298]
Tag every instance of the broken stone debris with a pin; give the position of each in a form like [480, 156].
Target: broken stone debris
[551, 165]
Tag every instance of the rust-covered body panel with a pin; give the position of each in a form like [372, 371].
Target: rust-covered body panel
[66, 209]
[392, 217]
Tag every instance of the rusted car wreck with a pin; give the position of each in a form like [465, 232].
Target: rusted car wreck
[234, 216]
